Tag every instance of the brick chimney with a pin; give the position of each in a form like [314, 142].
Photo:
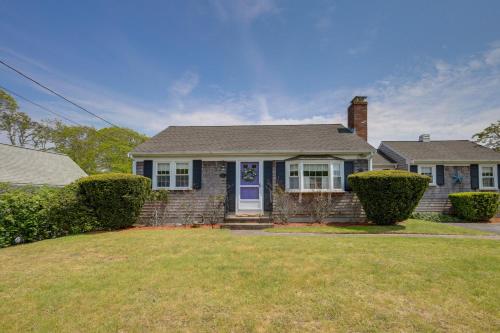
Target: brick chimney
[357, 116]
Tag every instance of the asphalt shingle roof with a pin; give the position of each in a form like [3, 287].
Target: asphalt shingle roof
[381, 159]
[21, 166]
[448, 150]
[321, 138]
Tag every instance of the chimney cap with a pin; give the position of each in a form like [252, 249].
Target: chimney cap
[424, 138]
[359, 100]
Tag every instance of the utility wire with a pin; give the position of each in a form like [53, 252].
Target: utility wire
[40, 106]
[55, 93]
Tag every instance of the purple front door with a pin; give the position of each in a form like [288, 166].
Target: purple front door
[249, 186]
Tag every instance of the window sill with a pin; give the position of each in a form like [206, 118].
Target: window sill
[173, 188]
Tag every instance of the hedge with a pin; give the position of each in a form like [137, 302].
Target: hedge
[115, 199]
[475, 206]
[388, 196]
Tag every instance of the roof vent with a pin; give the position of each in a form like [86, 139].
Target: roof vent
[424, 138]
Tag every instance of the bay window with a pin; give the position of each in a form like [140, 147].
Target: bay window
[314, 176]
[487, 177]
[172, 175]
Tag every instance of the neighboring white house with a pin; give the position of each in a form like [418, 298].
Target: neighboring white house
[25, 166]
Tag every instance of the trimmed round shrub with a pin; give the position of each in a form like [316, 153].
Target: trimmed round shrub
[388, 196]
[116, 199]
[475, 206]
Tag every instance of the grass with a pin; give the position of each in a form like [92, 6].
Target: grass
[211, 280]
[410, 226]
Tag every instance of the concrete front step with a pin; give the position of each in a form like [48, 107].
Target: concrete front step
[246, 226]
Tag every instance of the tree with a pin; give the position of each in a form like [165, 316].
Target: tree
[78, 142]
[489, 137]
[20, 128]
[114, 145]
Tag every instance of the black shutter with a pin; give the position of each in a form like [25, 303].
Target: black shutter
[197, 169]
[268, 185]
[474, 176]
[498, 175]
[348, 169]
[280, 174]
[440, 174]
[231, 186]
[414, 168]
[148, 170]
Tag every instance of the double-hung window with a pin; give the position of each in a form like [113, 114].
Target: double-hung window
[430, 171]
[172, 175]
[487, 177]
[314, 176]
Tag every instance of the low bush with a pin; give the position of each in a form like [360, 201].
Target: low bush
[388, 196]
[24, 216]
[475, 206]
[434, 217]
[115, 199]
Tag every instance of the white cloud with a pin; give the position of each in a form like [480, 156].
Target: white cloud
[185, 85]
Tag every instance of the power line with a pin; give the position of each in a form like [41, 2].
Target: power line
[40, 106]
[55, 93]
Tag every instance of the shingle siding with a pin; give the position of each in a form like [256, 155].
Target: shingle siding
[182, 203]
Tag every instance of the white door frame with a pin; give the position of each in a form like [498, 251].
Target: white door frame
[260, 209]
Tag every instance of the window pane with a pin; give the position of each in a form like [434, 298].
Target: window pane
[427, 171]
[488, 182]
[315, 176]
[182, 169]
[337, 182]
[163, 169]
[163, 181]
[487, 171]
[294, 183]
[181, 180]
[294, 170]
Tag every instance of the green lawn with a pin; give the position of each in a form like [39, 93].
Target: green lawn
[211, 280]
[408, 227]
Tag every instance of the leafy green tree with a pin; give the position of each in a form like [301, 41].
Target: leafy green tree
[489, 137]
[78, 142]
[114, 145]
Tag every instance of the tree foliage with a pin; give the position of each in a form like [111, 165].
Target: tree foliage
[94, 150]
[489, 137]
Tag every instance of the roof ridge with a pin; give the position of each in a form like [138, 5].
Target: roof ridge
[250, 125]
[33, 149]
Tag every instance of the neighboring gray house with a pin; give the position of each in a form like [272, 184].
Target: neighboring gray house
[24, 166]
[245, 163]
[453, 165]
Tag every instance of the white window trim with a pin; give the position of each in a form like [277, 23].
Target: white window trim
[173, 167]
[433, 167]
[495, 177]
[301, 188]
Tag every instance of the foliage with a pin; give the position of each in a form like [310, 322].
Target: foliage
[284, 205]
[490, 136]
[434, 217]
[388, 196]
[97, 151]
[24, 216]
[213, 209]
[320, 207]
[116, 199]
[188, 217]
[69, 213]
[475, 206]
[158, 195]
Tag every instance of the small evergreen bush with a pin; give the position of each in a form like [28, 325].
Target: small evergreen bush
[434, 217]
[388, 196]
[115, 199]
[475, 206]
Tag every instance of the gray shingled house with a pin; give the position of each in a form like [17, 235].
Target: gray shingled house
[24, 166]
[245, 163]
[452, 165]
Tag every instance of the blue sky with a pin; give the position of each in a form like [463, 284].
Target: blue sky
[426, 66]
